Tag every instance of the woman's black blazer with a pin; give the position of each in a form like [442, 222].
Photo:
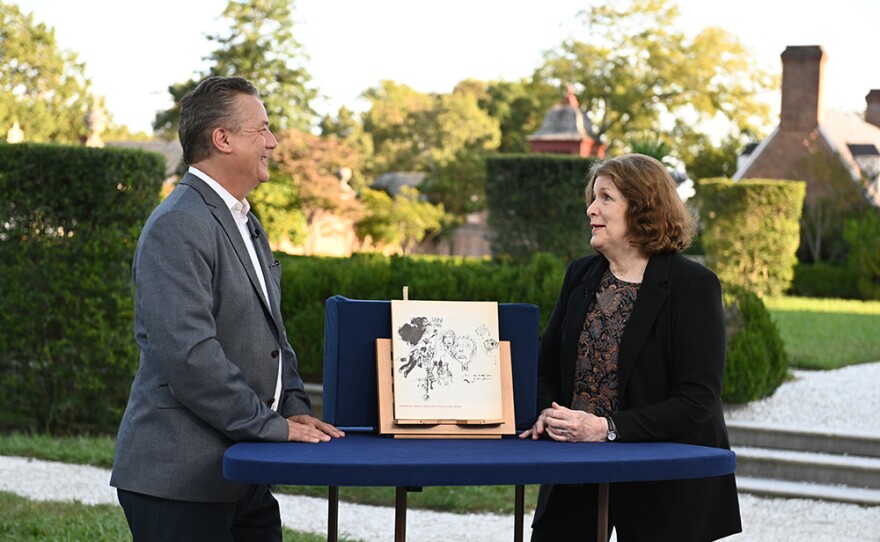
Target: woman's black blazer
[671, 369]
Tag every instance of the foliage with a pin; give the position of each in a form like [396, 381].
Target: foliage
[639, 68]
[398, 121]
[459, 185]
[348, 129]
[309, 281]
[400, 222]
[757, 363]
[864, 253]
[42, 88]
[306, 182]
[260, 47]
[751, 231]
[443, 135]
[519, 108]
[824, 280]
[703, 159]
[650, 144]
[70, 217]
[832, 199]
[536, 204]
[276, 204]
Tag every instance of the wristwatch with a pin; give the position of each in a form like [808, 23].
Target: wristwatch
[612, 430]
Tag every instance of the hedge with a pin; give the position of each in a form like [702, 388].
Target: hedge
[536, 204]
[69, 221]
[751, 231]
[756, 360]
[308, 281]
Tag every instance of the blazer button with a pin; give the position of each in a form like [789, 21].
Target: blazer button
[274, 353]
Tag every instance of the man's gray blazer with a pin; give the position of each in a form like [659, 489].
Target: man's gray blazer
[209, 351]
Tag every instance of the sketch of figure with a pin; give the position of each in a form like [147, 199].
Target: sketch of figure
[489, 343]
[421, 333]
[463, 350]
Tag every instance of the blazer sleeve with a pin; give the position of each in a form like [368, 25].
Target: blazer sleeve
[179, 260]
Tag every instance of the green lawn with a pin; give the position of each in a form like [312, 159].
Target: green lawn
[24, 520]
[827, 333]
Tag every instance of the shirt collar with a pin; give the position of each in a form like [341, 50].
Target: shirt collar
[236, 207]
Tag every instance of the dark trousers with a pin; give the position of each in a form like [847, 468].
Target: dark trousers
[253, 518]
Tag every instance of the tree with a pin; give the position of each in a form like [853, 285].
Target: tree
[832, 199]
[638, 69]
[43, 89]
[347, 128]
[398, 121]
[261, 47]
[443, 135]
[519, 108]
[401, 222]
[308, 179]
[703, 159]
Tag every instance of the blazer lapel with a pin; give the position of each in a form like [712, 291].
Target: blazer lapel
[227, 223]
[581, 299]
[267, 261]
[652, 296]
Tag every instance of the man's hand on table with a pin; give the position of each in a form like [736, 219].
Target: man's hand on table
[305, 428]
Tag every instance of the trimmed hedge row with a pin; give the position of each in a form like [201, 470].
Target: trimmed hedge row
[69, 221]
[536, 204]
[308, 281]
[751, 231]
[756, 359]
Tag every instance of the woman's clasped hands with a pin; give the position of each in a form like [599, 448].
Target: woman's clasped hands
[567, 425]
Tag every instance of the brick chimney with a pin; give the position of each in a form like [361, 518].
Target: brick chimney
[872, 112]
[802, 87]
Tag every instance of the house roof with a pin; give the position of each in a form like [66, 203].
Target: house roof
[846, 129]
[172, 151]
[391, 182]
[565, 121]
[847, 133]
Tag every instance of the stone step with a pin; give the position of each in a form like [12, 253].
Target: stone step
[803, 439]
[792, 466]
[802, 490]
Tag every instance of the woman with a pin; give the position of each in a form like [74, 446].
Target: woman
[634, 351]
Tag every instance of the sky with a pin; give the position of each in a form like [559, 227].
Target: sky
[134, 50]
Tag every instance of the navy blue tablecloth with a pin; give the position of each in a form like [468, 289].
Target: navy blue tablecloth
[373, 460]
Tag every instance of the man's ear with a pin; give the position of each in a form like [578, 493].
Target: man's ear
[220, 137]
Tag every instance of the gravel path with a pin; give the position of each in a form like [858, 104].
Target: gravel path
[812, 399]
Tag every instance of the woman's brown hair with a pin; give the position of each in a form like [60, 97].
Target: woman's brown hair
[657, 220]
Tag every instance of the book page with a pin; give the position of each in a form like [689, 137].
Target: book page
[446, 361]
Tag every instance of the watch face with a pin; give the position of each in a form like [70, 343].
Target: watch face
[612, 436]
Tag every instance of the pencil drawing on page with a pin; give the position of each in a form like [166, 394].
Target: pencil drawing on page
[446, 360]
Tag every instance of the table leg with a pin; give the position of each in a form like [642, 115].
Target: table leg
[519, 509]
[400, 514]
[602, 533]
[333, 514]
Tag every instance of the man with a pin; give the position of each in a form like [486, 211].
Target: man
[215, 365]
